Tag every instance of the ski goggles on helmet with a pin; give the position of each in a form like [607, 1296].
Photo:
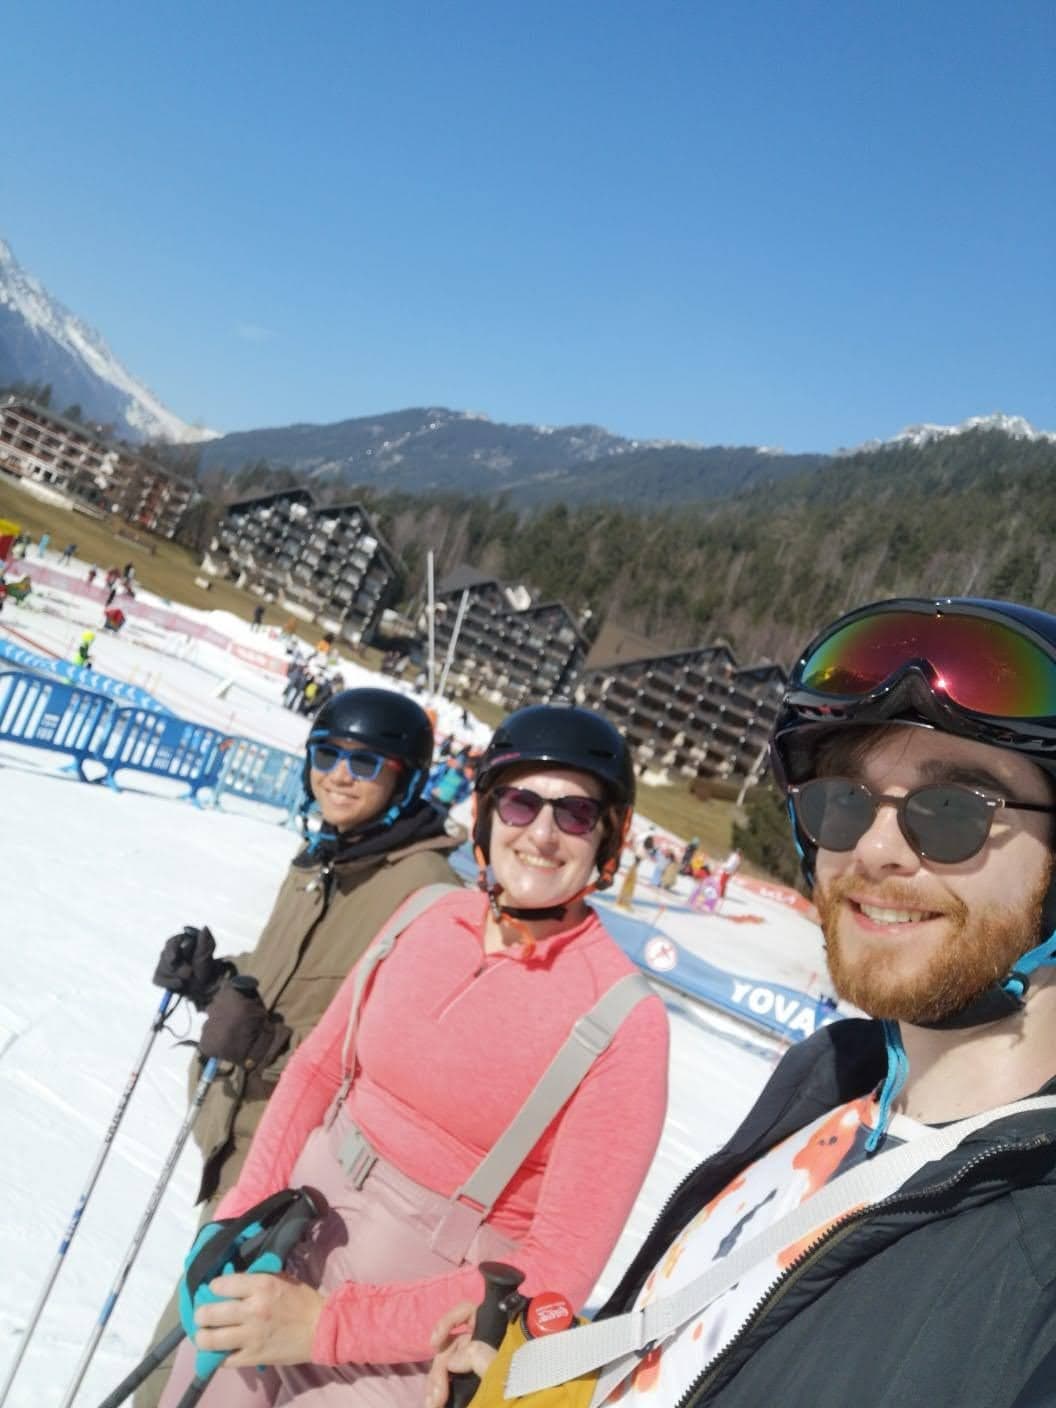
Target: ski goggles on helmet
[519, 806]
[363, 763]
[943, 822]
[985, 664]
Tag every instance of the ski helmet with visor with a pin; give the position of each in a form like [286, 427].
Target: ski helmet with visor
[388, 723]
[566, 736]
[979, 669]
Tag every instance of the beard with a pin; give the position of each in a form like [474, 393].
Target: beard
[978, 950]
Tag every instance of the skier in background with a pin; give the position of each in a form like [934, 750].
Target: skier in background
[83, 656]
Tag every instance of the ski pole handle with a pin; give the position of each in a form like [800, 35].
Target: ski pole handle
[279, 1238]
[493, 1317]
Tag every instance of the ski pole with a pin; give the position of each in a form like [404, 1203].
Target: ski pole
[100, 1159]
[146, 1366]
[500, 1283]
[141, 1231]
[293, 1213]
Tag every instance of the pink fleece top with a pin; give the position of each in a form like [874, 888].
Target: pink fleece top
[451, 1041]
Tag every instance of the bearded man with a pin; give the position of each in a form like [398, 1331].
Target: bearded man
[916, 746]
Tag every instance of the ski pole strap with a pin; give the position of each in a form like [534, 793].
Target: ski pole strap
[230, 1238]
[258, 1241]
[617, 1343]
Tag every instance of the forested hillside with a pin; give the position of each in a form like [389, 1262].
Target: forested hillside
[445, 452]
[968, 513]
[972, 513]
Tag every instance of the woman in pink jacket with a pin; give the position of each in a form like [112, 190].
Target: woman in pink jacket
[421, 1064]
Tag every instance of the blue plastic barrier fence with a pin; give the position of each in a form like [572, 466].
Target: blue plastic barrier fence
[258, 773]
[79, 675]
[163, 746]
[46, 713]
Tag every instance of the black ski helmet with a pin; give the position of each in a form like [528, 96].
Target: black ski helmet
[387, 721]
[571, 737]
[825, 695]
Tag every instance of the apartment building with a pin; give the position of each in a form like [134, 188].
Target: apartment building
[326, 564]
[509, 649]
[694, 713]
[40, 447]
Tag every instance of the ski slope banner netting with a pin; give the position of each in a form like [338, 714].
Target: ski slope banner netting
[80, 676]
[783, 1011]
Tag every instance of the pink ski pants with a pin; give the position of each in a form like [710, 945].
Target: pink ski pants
[377, 1233]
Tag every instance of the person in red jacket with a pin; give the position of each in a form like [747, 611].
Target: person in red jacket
[392, 1103]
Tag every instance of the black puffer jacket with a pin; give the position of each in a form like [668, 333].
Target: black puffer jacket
[945, 1298]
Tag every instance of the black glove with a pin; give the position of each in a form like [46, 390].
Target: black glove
[240, 1029]
[187, 966]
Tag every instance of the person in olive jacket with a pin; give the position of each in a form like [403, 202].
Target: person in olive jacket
[368, 756]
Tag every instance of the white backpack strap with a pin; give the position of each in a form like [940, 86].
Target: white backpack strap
[384, 942]
[616, 1343]
[590, 1036]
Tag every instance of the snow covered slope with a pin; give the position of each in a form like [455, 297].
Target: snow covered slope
[42, 341]
[1016, 427]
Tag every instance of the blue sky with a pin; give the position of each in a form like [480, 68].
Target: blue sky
[781, 222]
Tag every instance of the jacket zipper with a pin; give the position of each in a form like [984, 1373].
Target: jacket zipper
[695, 1394]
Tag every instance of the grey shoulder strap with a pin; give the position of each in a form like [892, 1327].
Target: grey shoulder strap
[590, 1036]
[615, 1343]
[384, 942]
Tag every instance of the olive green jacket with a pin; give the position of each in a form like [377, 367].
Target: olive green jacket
[324, 917]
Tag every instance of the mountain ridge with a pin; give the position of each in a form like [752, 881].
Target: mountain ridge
[430, 449]
[43, 342]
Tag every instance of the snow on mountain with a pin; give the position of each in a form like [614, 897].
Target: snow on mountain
[42, 341]
[1015, 426]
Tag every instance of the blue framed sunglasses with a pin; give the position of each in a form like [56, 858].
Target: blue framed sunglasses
[362, 763]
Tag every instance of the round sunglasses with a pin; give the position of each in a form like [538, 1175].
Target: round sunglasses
[362, 763]
[519, 806]
[943, 822]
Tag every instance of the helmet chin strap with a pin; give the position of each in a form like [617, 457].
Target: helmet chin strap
[520, 916]
[1003, 999]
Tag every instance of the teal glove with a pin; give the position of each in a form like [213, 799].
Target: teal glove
[216, 1253]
